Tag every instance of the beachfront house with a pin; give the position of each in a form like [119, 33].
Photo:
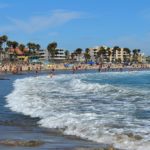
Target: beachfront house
[38, 57]
[58, 57]
[99, 54]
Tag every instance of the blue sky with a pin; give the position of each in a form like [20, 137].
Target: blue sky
[78, 23]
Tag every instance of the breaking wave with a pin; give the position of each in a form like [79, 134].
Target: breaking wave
[100, 107]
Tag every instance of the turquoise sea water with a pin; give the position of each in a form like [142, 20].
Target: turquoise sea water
[110, 107]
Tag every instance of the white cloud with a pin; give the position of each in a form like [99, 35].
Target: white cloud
[39, 23]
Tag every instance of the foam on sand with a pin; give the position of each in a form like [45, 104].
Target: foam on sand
[85, 106]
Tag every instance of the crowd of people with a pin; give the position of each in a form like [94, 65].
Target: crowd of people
[17, 68]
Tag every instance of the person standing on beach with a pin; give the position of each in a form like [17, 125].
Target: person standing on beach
[29, 68]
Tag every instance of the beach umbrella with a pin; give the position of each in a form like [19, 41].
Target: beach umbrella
[90, 63]
[66, 65]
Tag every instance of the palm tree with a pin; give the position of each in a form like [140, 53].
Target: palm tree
[87, 56]
[115, 48]
[33, 48]
[21, 47]
[78, 51]
[1, 49]
[3, 40]
[128, 52]
[29, 45]
[135, 55]
[72, 56]
[9, 44]
[52, 49]
[87, 50]
[14, 44]
[38, 47]
[67, 54]
[138, 50]
[109, 54]
[101, 54]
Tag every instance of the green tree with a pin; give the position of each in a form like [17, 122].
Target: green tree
[33, 48]
[14, 44]
[1, 50]
[38, 47]
[136, 53]
[87, 57]
[29, 45]
[9, 44]
[101, 54]
[3, 40]
[128, 52]
[52, 49]
[109, 53]
[21, 47]
[87, 50]
[115, 48]
[67, 54]
[73, 56]
[78, 51]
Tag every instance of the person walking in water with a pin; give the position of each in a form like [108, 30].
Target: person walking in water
[73, 69]
[36, 70]
[100, 67]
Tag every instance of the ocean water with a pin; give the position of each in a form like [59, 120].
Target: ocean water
[111, 108]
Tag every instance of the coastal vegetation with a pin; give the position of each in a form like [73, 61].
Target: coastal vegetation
[12, 50]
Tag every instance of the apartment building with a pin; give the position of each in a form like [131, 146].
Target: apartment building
[120, 55]
[59, 56]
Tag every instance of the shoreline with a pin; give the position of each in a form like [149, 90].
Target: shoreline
[27, 68]
[84, 144]
[50, 138]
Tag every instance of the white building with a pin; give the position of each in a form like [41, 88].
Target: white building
[59, 56]
[93, 52]
[42, 54]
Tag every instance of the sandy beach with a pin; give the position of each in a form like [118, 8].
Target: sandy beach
[23, 67]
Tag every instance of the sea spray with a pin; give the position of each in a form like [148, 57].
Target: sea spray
[106, 107]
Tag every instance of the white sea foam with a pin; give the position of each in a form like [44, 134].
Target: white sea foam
[92, 110]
